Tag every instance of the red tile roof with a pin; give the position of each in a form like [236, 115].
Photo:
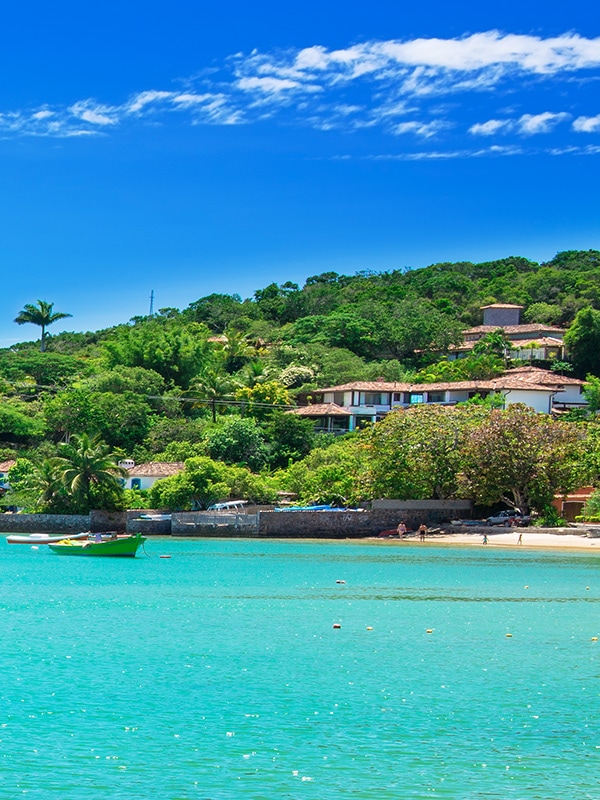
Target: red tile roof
[156, 469]
[320, 410]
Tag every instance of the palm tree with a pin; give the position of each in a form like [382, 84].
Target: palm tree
[42, 315]
[213, 386]
[87, 464]
[236, 349]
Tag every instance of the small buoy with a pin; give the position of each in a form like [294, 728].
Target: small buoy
[336, 625]
[340, 581]
[429, 630]
[164, 556]
[369, 628]
[509, 635]
[594, 638]
[587, 588]
[527, 587]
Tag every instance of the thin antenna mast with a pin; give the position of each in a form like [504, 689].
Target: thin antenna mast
[152, 303]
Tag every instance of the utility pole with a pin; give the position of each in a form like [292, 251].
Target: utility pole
[152, 303]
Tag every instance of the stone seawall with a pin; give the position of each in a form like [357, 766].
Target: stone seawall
[343, 524]
[44, 523]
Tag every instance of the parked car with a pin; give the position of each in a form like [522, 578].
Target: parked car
[509, 518]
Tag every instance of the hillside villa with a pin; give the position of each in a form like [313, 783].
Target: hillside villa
[339, 409]
[528, 342]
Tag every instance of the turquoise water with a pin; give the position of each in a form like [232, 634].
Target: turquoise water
[217, 673]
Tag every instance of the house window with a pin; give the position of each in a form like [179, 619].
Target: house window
[397, 397]
[376, 399]
[338, 398]
[436, 397]
[416, 398]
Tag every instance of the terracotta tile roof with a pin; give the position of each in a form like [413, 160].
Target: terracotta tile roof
[508, 329]
[519, 378]
[320, 410]
[6, 465]
[156, 469]
[542, 376]
[369, 386]
[542, 341]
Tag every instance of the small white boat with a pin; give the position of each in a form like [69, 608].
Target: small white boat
[44, 538]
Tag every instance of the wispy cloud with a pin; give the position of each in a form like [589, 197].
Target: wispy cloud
[421, 88]
[527, 124]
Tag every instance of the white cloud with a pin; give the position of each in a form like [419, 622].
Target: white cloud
[587, 124]
[140, 101]
[540, 123]
[424, 129]
[88, 111]
[490, 127]
[390, 85]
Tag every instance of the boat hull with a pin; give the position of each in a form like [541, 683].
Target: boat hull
[42, 538]
[126, 547]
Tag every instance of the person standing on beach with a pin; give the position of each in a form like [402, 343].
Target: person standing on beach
[485, 539]
[520, 539]
[422, 532]
[401, 530]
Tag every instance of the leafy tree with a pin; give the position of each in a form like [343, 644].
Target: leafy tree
[72, 412]
[591, 509]
[591, 392]
[289, 437]
[582, 341]
[333, 475]
[544, 313]
[177, 352]
[217, 311]
[202, 483]
[123, 420]
[123, 379]
[18, 424]
[164, 431]
[42, 315]
[238, 441]
[416, 453]
[46, 370]
[246, 485]
[521, 458]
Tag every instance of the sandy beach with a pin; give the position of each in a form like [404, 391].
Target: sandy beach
[531, 539]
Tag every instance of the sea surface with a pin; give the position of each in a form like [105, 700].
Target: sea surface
[218, 673]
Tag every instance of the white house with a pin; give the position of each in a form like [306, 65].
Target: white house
[369, 401]
[143, 476]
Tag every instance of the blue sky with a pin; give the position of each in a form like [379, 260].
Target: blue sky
[187, 148]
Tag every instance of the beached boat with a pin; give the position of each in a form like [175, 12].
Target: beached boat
[126, 546]
[43, 538]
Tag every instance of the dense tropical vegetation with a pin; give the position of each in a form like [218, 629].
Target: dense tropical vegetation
[210, 385]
